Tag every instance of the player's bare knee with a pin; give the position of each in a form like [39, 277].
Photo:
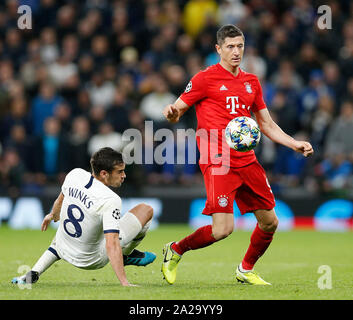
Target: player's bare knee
[147, 210]
[221, 233]
[143, 212]
[270, 226]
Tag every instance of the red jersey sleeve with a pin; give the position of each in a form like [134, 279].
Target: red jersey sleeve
[195, 90]
[259, 102]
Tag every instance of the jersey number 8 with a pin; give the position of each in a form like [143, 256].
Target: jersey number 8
[75, 222]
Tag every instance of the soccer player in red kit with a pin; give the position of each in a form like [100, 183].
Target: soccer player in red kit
[220, 93]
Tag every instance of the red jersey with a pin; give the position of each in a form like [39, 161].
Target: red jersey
[219, 97]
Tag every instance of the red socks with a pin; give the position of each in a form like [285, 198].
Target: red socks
[259, 242]
[201, 238]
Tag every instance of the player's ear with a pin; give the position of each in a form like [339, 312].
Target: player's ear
[218, 48]
[103, 174]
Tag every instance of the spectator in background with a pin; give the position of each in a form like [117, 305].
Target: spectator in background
[184, 47]
[18, 115]
[285, 112]
[97, 115]
[118, 113]
[176, 78]
[150, 28]
[78, 143]
[309, 60]
[309, 96]
[129, 63]
[196, 13]
[253, 63]
[349, 90]
[231, 12]
[85, 67]
[334, 173]
[29, 68]
[21, 143]
[101, 92]
[43, 106]
[49, 49]
[341, 131]
[335, 83]
[62, 70]
[320, 123]
[272, 59]
[156, 53]
[106, 137]
[100, 50]
[6, 80]
[66, 20]
[286, 78]
[153, 103]
[63, 114]
[289, 169]
[14, 48]
[11, 172]
[52, 150]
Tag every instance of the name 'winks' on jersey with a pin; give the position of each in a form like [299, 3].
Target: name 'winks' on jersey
[219, 97]
[89, 210]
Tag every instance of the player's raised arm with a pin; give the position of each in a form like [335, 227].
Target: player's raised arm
[54, 213]
[115, 256]
[269, 128]
[173, 112]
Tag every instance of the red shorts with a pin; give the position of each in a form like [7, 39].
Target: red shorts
[248, 186]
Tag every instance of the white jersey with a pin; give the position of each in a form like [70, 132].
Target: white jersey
[89, 210]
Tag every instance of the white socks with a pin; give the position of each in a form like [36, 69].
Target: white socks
[136, 241]
[45, 261]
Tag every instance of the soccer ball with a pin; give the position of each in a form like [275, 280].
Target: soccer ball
[242, 134]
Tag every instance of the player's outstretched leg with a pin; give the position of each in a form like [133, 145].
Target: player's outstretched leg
[260, 240]
[222, 226]
[44, 262]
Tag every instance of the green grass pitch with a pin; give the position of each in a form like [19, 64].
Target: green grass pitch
[291, 264]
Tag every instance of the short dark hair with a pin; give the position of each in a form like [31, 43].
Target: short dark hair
[105, 159]
[228, 31]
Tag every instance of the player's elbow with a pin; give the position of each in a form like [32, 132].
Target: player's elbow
[267, 127]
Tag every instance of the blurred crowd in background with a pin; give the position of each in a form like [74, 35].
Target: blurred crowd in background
[89, 70]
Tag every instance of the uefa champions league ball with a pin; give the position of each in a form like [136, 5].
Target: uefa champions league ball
[242, 134]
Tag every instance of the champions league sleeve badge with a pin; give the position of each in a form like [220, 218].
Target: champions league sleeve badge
[188, 87]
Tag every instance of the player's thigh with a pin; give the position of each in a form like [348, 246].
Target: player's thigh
[267, 219]
[220, 191]
[255, 193]
[222, 225]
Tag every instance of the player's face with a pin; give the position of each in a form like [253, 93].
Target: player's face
[117, 176]
[231, 51]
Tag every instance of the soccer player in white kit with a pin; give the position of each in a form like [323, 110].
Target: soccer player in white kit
[91, 232]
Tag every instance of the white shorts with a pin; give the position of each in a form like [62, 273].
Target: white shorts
[130, 227]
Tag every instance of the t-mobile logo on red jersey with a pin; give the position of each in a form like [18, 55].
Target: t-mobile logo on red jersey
[234, 104]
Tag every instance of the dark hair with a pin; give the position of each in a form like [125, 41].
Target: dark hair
[228, 31]
[105, 159]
